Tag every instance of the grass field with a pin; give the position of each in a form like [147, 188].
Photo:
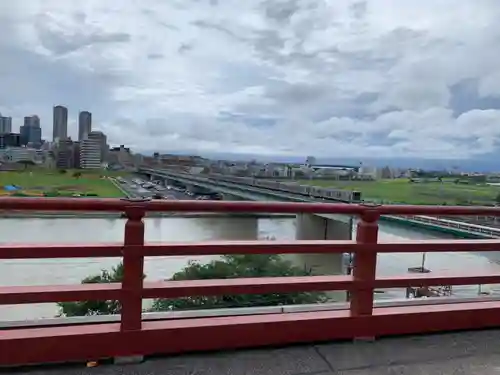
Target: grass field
[38, 182]
[401, 191]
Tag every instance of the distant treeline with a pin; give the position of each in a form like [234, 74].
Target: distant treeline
[435, 174]
[446, 177]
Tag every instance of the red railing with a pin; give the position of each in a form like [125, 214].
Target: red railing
[132, 336]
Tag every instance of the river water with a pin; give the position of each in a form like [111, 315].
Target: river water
[69, 271]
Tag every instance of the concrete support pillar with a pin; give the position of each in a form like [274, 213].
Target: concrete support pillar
[231, 229]
[229, 197]
[312, 227]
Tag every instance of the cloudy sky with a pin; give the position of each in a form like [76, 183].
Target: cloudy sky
[336, 78]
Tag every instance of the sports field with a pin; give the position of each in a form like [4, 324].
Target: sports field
[53, 183]
[402, 191]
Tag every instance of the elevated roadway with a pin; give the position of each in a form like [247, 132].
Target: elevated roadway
[245, 192]
[456, 226]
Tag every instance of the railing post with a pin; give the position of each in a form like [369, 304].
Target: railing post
[133, 270]
[365, 265]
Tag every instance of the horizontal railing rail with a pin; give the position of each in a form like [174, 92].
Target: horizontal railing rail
[235, 311]
[122, 205]
[455, 224]
[132, 336]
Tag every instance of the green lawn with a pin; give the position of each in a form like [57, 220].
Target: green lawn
[37, 181]
[401, 191]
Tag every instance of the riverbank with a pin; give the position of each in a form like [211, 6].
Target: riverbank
[125, 193]
[65, 183]
[455, 228]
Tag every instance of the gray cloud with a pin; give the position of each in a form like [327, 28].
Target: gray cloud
[60, 43]
[330, 78]
[155, 56]
[281, 10]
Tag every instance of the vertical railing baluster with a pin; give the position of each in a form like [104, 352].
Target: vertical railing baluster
[365, 265]
[133, 270]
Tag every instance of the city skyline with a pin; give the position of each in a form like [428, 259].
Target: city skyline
[88, 151]
[58, 128]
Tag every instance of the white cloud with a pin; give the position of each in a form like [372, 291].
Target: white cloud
[294, 77]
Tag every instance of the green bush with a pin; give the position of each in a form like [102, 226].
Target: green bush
[229, 266]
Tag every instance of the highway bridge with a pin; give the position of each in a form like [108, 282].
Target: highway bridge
[232, 190]
[252, 189]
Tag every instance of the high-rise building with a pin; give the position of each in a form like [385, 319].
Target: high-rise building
[64, 154]
[60, 123]
[31, 132]
[84, 125]
[91, 150]
[10, 140]
[5, 124]
[104, 147]
[76, 155]
[33, 121]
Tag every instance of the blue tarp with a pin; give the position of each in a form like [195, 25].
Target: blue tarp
[11, 188]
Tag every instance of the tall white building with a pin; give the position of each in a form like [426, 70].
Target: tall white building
[91, 149]
[60, 123]
[84, 125]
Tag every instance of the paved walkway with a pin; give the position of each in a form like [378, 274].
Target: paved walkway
[471, 353]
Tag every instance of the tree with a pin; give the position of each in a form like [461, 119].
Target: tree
[234, 266]
[229, 266]
[95, 307]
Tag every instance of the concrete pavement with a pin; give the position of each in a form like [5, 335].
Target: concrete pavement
[454, 353]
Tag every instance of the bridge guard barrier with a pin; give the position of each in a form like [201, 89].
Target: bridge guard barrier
[132, 336]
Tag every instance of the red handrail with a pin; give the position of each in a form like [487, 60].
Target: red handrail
[133, 336]
[121, 205]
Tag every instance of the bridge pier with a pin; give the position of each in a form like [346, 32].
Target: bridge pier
[311, 227]
[233, 229]
[228, 197]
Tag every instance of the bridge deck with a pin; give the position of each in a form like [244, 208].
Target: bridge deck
[455, 353]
